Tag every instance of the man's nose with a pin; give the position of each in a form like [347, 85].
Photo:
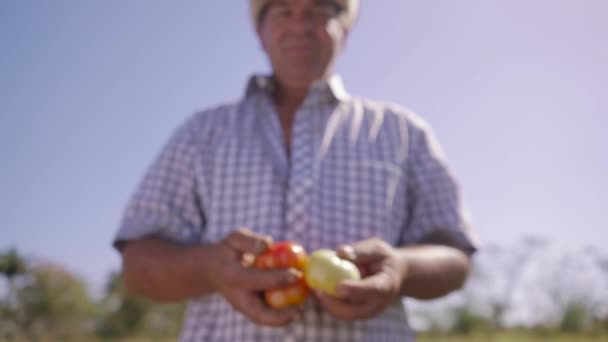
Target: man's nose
[302, 22]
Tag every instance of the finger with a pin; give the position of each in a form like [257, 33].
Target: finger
[365, 290]
[259, 280]
[347, 252]
[336, 307]
[244, 240]
[254, 308]
[349, 311]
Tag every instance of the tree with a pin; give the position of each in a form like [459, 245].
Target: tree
[126, 315]
[11, 265]
[52, 304]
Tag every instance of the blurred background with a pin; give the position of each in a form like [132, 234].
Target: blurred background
[516, 92]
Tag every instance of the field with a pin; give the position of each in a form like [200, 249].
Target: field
[514, 337]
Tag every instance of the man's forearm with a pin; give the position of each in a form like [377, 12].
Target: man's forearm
[164, 271]
[432, 271]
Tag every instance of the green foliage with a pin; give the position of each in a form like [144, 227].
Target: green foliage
[125, 315]
[511, 336]
[45, 302]
[575, 319]
[11, 264]
[52, 303]
[466, 322]
[122, 314]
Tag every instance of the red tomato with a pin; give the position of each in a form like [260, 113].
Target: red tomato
[286, 254]
[294, 294]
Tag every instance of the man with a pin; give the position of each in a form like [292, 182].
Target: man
[297, 158]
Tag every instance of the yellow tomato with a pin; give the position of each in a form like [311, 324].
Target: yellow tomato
[325, 270]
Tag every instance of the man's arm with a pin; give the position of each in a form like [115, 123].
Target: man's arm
[422, 272]
[431, 271]
[162, 270]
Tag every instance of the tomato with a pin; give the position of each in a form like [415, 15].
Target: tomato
[286, 254]
[325, 270]
[294, 294]
[281, 255]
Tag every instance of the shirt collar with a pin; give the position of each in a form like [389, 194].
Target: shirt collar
[332, 88]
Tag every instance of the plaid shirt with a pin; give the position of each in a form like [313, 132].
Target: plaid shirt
[356, 169]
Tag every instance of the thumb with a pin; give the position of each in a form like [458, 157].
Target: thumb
[364, 289]
[362, 252]
[243, 240]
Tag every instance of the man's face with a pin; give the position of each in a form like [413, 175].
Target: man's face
[302, 39]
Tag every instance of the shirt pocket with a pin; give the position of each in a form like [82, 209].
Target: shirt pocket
[245, 192]
[357, 199]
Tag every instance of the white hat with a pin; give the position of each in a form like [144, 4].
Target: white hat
[351, 10]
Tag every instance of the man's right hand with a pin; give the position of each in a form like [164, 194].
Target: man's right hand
[241, 285]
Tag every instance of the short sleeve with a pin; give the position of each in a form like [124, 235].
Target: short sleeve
[166, 203]
[436, 212]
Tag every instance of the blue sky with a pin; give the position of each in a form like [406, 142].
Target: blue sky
[515, 91]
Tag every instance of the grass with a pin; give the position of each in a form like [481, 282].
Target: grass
[513, 337]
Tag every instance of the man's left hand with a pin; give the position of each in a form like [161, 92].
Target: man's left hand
[382, 275]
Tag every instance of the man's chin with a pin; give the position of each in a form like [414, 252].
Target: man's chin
[301, 79]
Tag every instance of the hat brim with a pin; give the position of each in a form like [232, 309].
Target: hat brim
[348, 18]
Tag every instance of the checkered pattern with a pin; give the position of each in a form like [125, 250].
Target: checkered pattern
[357, 169]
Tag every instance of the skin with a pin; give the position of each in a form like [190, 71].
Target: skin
[164, 271]
[302, 39]
[389, 273]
